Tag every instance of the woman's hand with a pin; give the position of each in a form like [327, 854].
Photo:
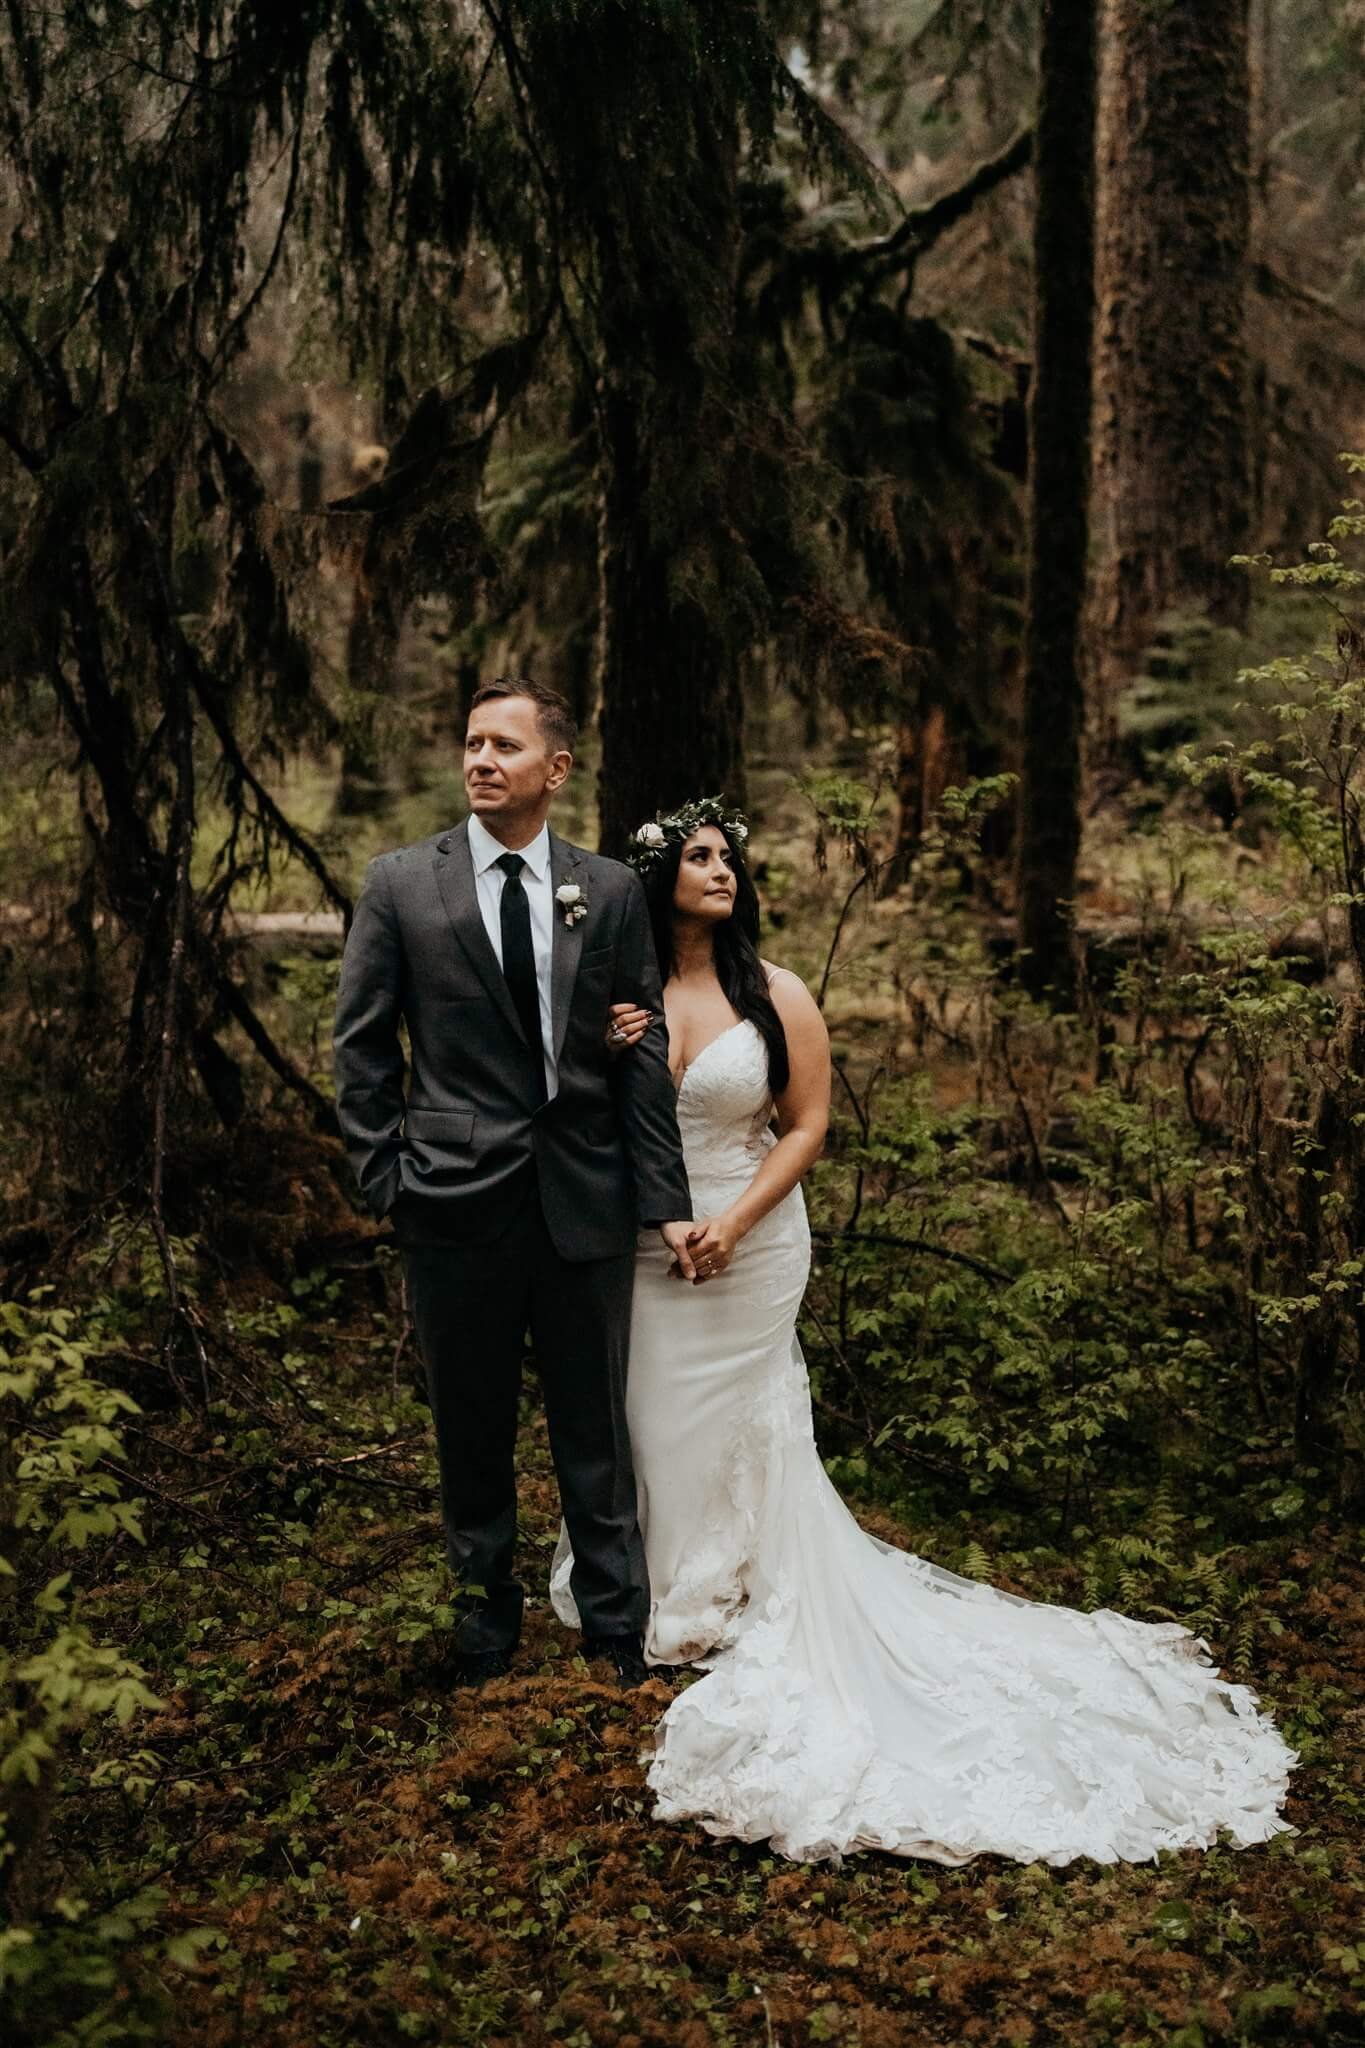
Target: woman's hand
[713, 1244]
[626, 1026]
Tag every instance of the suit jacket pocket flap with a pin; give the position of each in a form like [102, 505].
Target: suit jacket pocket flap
[440, 1126]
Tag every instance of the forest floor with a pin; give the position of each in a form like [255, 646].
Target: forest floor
[372, 1856]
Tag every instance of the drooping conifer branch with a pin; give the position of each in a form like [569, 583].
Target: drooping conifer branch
[927, 224]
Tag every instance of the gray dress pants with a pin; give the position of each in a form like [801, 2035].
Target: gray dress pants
[473, 1306]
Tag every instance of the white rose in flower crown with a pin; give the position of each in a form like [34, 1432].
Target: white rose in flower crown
[650, 835]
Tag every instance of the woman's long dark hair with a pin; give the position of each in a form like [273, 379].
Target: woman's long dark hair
[738, 967]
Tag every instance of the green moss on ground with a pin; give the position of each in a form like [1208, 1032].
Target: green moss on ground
[372, 1856]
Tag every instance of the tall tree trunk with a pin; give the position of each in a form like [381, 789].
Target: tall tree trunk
[1173, 473]
[672, 712]
[639, 112]
[1058, 493]
[670, 648]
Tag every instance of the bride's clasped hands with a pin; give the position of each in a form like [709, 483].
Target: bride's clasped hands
[714, 1240]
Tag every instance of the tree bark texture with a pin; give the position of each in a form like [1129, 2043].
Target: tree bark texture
[671, 646]
[639, 111]
[672, 712]
[1172, 390]
[1058, 491]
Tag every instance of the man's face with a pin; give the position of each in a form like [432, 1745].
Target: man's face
[508, 768]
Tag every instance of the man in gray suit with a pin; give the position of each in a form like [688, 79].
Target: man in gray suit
[520, 1161]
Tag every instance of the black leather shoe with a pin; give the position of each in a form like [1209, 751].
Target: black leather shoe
[476, 1667]
[624, 1653]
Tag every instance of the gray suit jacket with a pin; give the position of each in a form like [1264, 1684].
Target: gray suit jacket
[447, 1153]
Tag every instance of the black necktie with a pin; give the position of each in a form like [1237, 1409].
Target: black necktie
[519, 960]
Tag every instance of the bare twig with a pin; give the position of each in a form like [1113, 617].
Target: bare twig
[179, 1501]
[178, 852]
[404, 1330]
[1043, 1178]
[237, 325]
[400, 1443]
[916, 1244]
[280, 1062]
[837, 1351]
[855, 1104]
[861, 883]
[268, 809]
[1273, 284]
[418, 1490]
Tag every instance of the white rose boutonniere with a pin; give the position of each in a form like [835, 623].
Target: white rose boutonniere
[571, 900]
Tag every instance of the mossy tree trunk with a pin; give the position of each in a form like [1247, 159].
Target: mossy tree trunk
[671, 707]
[1173, 470]
[1058, 488]
[642, 111]
[670, 653]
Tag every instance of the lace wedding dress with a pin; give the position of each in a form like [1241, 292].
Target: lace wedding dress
[856, 1697]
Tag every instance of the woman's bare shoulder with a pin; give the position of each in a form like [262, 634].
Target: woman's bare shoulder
[788, 991]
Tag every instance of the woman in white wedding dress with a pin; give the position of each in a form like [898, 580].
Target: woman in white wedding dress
[854, 1696]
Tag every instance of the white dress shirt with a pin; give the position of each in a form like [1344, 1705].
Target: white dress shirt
[536, 880]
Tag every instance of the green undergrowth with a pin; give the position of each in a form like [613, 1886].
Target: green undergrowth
[312, 1838]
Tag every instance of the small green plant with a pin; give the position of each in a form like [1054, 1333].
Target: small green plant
[59, 1498]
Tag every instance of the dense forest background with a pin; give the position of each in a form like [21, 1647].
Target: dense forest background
[931, 425]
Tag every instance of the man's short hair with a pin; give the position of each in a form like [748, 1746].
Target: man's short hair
[554, 714]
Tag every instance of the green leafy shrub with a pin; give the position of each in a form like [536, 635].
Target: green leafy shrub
[58, 1498]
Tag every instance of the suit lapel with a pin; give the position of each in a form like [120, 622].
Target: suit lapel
[567, 945]
[455, 880]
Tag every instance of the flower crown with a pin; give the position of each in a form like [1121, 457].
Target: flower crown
[651, 838]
